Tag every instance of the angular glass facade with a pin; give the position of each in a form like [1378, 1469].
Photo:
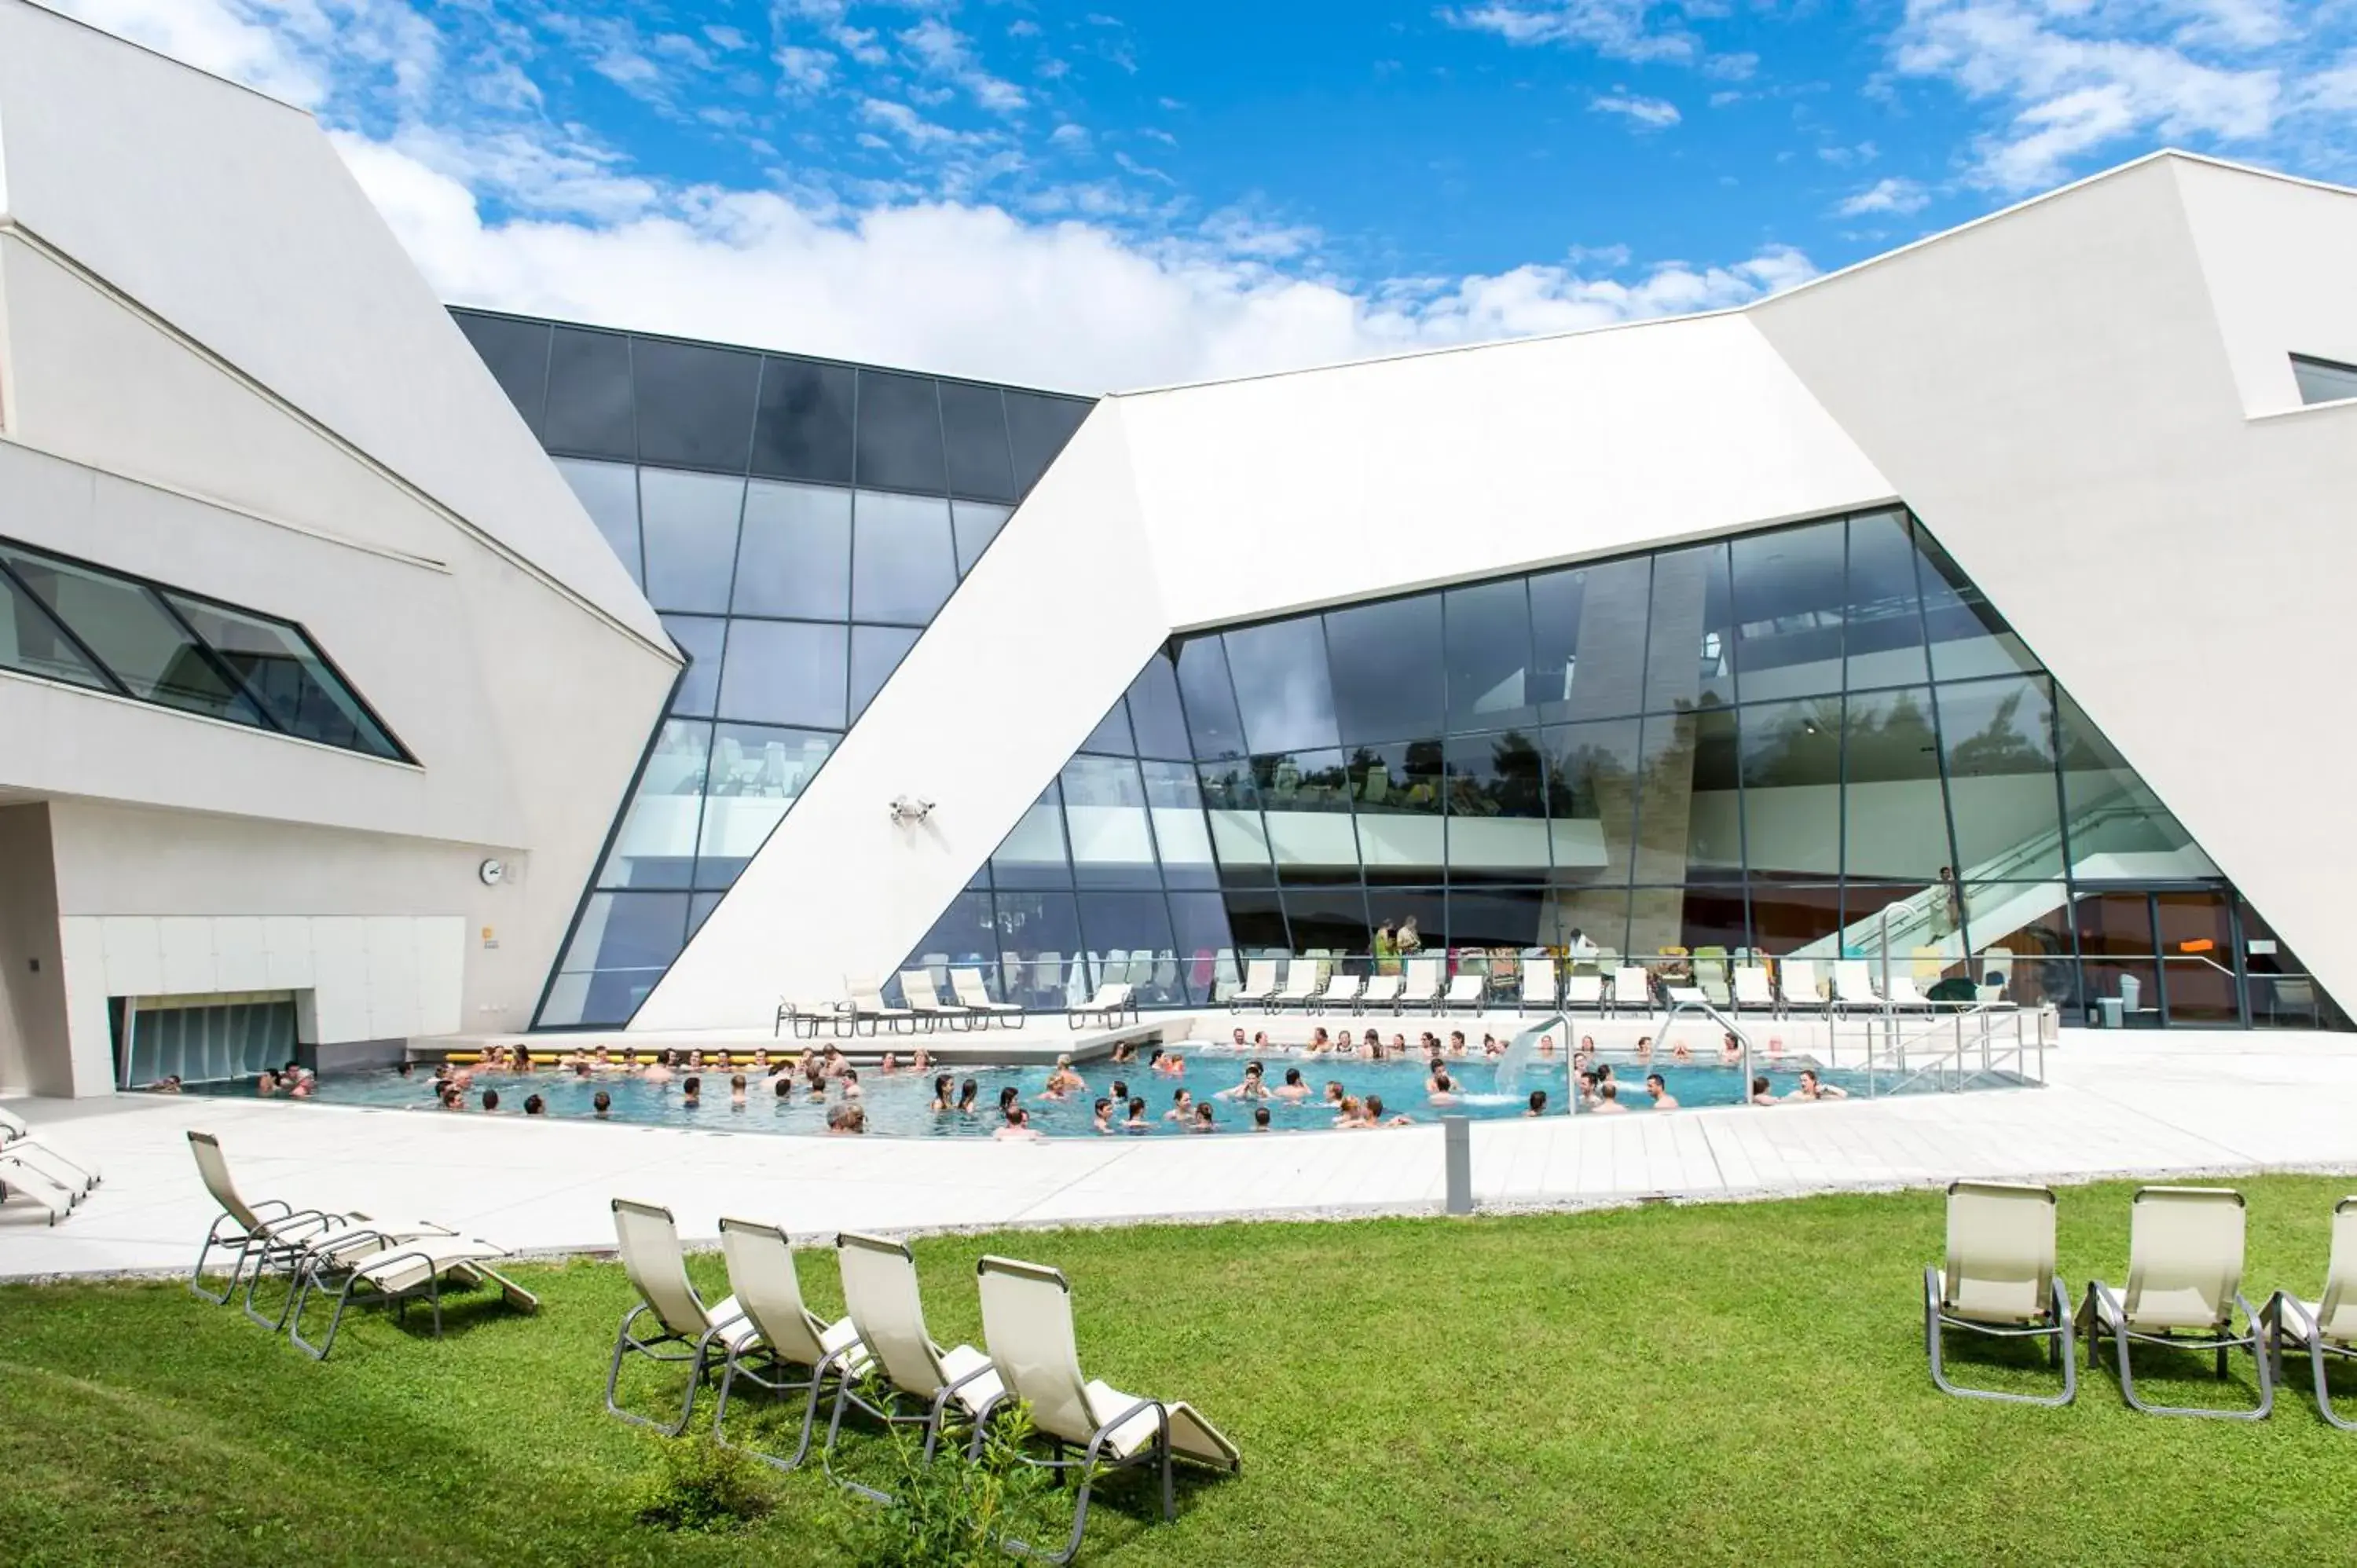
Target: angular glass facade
[797, 523]
[94, 627]
[1816, 741]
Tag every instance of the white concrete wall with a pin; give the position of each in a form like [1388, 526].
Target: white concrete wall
[2280, 255]
[32, 988]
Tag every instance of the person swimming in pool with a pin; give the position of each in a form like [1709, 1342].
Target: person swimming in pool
[1202, 1123]
[1354, 1115]
[1538, 1103]
[1761, 1093]
[1811, 1089]
[1161, 1061]
[1183, 1106]
[1546, 1045]
[1644, 1048]
[1730, 1051]
[1334, 1096]
[1254, 1085]
[1320, 1042]
[1608, 1101]
[1442, 1089]
[737, 1089]
[1236, 1041]
[1019, 1128]
[1660, 1093]
[851, 1090]
[1104, 1112]
[1006, 1098]
[1679, 1051]
[1588, 1083]
[944, 1087]
[1293, 1088]
[1260, 1118]
[966, 1091]
[1456, 1042]
[1136, 1121]
[1062, 1082]
[1375, 1115]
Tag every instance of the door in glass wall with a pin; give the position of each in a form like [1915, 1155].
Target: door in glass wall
[2157, 957]
[2199, 985]
[2117, 963]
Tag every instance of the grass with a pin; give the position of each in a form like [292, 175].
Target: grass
[1703, 1384]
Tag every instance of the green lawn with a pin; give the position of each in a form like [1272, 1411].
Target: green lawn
[1725, 1383]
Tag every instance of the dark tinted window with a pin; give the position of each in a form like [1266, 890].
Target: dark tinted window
[516, 353]
[974, 429]
[131, 631]
[589, 395]
[282, 672]
[32, 641]
[900, 433]
[1279, 672]
[803, 429]
[1037, 427]
[1387, 670]
[1154, 709]
[694, 403]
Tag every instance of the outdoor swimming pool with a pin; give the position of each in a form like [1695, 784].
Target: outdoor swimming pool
[900, 1105]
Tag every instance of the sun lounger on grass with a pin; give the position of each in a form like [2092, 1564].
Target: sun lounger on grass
[2185, 1284]
[2327, 1326]
[917, 1384]
[687, 1330]
[779, 1345]
[1998, 1280]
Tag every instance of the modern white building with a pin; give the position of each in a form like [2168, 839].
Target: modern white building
[368, 676]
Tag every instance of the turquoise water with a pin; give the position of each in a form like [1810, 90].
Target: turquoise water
[900, 1105]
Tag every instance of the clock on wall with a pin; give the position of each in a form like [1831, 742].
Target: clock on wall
[491, 871]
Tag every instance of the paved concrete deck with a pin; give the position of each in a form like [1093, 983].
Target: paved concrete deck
[2117, 1105]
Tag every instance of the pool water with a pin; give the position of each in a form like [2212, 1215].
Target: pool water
[900, 1105]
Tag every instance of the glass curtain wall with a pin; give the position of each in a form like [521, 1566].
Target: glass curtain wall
[1818, 741]
[797, 523]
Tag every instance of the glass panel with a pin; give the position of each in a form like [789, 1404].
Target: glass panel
[2021, 943]
[1795, 918]
[1279, 672]
[2117, 960]
[899, 435]
[2280, 991]
[876, 652]
[1175, 799]
[2323, 381]
[976, 524]
[1398, 790]
[1704, 924]
[1497, 808]
[1388, 680]
[1488, 655]
[903, 564]
[1111, 738]
[134, 636]
[1306, 799]
[1105, 817]
[1713, 819]
[32, 641]
[1211, 716]
[788, 672]
[1238, 837]
[1407, 921]
[1136, 925]
[1205, 947]
[756, 776]
[1968, 637]
[1591, 799]
[1502, 918]
[1894, 822]
[802, 430]
[2118, 828]
[1597, 916]
[694, 403]
[1790, 757]
[285, 673]
[2196, 947]
[1039, 941]
[1161, 725]
[605, 998]
[965, 936]
[1033, 855]
[973, 431]
[1999, 737]
[699, 909]
[1887, 922]
[1884, 636]
[700, 637]
[655, 846]
[1258, 921]
[589, 395]
[1665, 769]
[794, 558]
[1789, 595]
[1690, 636]
[629, 930]
[1588, 634]
[516, 353]
[1037, 428]
[691, 537]
[608, 492]
[1331, 920]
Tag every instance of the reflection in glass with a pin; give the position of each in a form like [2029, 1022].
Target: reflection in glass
[32, 642]
[1968, 637]
[1795, 916]
[2000, 742]
[1258, 921]
[1397, 791]
[2119, 964]
[655, 846]
[973, 431]
[2117, 826]
[976, 524]
[629, 930]
[1111, 738]
[1279, 670]
[516, 353]
[690, 524]
[876, 652]
[1105, 817]
[589, 395]
[1488, 656]
[1161, 726]
[1789, 591]
[1037, 426]
[700, 637]
[1174, 797]
[1588, 635]
[1210, 700]
[1387, 675]
[966, 936]
[1033, 855]
[1327, 920]
[802, 430]
[899, 435]
[2021, 943]
[794, 558]
[694, 403]
[1591, 774]
[1239, 836]
[1690, 636]
[127, 627]
[608, 492]
[1892, 821]
[1497, 807]
[1206, 949]
[756, 774]
[281, 670]
[1884, 634]
[903, 564]
[1040, 949]
[1514, 918]
[1128, 937]
[1789, 758]
[1305, 800]
[786, 672]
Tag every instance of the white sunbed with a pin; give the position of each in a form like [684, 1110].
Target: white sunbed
[1259, 986]
[1854, 986]
[866, 1003]
[1383, 991]
[779, 1345]
[2327, 1326]
[1114, 1001]
[33, 1152]
[657, 1267]
[973, 995]
[1342, 991]
[394, 1270]
[1998, 1280]
[1538, 987]
[1583, 990]
[1026, 1320]
[2185, 1283]
[1903, 995]
[1424, 982]
[924, 1000]
[1302, 980]
[1751, 988]
[1632, 989]
[1464, 991]
[1796, 986]
[921, 1384]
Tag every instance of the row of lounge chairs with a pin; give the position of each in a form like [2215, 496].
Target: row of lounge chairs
[348, 1258]
[1792, 988]
[923, 1008]
[2184, 1290]
[32, 1168]
[880, 1358]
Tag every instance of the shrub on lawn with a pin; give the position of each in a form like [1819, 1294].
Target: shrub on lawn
[699, 1485]
[957, 1511]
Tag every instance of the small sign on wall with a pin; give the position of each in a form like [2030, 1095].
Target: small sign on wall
[491, 935]
[2260, 947]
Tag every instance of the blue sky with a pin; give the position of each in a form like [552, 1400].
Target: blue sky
[1117, 194]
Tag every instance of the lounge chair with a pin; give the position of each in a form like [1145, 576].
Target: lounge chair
[1999, 1281]
[1632, 990]
[1383, 991]
[779, 1337]
[1751, 988]
[1903, 995]
[26, 1179]
[1259, 987]
[1342, 991]
[1302, 979]
[657, 1267]
[1465, 990]
[1026, 1320]
[2185, 1281]
[2328, 1325]
[395, 1270]
[1114, 1000]
[1854, 986]
[1538, 985]
[1796, 986]
[867, 1003]
[1424, 982]
[973, 995]
[18, 1142]
[880, 1294]
[795, 1011]
[917, 988]
[1583, 990]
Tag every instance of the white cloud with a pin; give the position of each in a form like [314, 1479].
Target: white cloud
[1645, 114]
[1069, 136]
[908, 125]
[1849, 156]
[944, 52]
[1731, 67]
[1892, 194]
[802, 69]
[1618, 29]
